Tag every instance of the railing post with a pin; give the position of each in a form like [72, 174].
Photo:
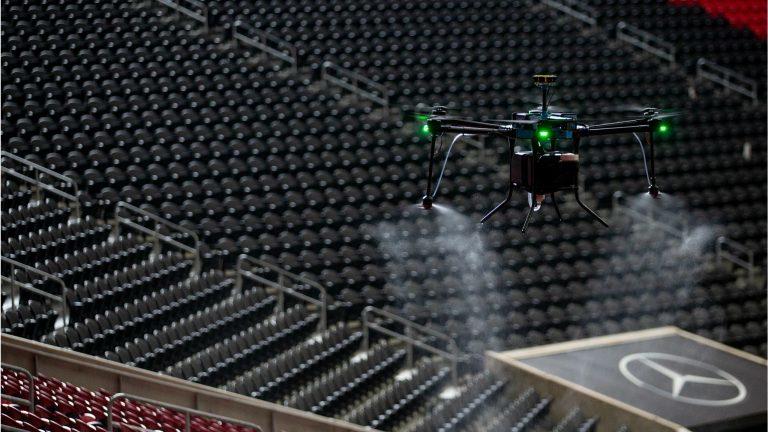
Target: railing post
[366, 331]
[727, 78]
[15, 294]
[323, 311]
[455, 370]
[453, 355]
[38, 190]
[409, 358]
[285, 282]
[281, 293]
[155, 234]
[187, 422]
[156, 240]
[29, 402]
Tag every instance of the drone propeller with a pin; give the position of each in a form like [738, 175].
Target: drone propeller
[647, 111]
[422, 113]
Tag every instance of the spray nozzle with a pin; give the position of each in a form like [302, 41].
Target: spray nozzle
[426, 202]
[654, 191]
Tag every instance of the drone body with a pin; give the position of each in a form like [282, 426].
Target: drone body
[552, 163]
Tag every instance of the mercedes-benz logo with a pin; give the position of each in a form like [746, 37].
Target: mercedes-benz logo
[673, 377]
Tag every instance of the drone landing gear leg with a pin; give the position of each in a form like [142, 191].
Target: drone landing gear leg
[587, 209]
[498, 207]
[511, 145]
[528, 218]
[557, 209]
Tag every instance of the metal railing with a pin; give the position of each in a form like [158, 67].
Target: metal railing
[576, 9]
[354, 82]
[727, 78]
[284, 282]
[12, 265]
[199, 13]
[134, 213]
[655, 217]
[266, 42]
[36, 175]
[188, 413]
[728, 249]
[30, 402]
[645, 41]
[413, 337]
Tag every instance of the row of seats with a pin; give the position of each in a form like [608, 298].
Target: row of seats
[109, 328]
[244, 350]
[445, 416]
[32, 320]
[194, 332]
[304, 361]
[327, 394]
[391, 403]
[62, 407]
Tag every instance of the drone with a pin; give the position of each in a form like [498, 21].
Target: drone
[546, 168]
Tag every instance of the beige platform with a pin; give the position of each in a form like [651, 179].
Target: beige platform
[556, 370]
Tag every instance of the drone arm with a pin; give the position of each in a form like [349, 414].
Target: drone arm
[632, 126]
[614, 130]
[470, 130]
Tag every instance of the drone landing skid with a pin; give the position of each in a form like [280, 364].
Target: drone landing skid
[532, 207]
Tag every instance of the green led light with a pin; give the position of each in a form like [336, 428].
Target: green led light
[543, 134]
[425, 129]
[422, 117]
[663, 128]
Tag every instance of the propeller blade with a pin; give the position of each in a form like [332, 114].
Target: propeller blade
[669, 114]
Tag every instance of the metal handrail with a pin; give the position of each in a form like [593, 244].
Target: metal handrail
[722, 253]
[28, 287]
[202, 16]
[156, 234]
[727, 78]
[454, 356]
[28, 402]
[282, 49]
[645, 41]
[576, 9]
[40, 170]
[280, 285]
[680, 232]
[355, 83]
[188, 413]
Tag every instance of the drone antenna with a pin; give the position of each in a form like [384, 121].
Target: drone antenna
[544, 82]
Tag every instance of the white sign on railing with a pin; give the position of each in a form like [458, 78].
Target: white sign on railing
[727, 78]
[645, 41]
[266, 42]
[576, 9]
[355, 83]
